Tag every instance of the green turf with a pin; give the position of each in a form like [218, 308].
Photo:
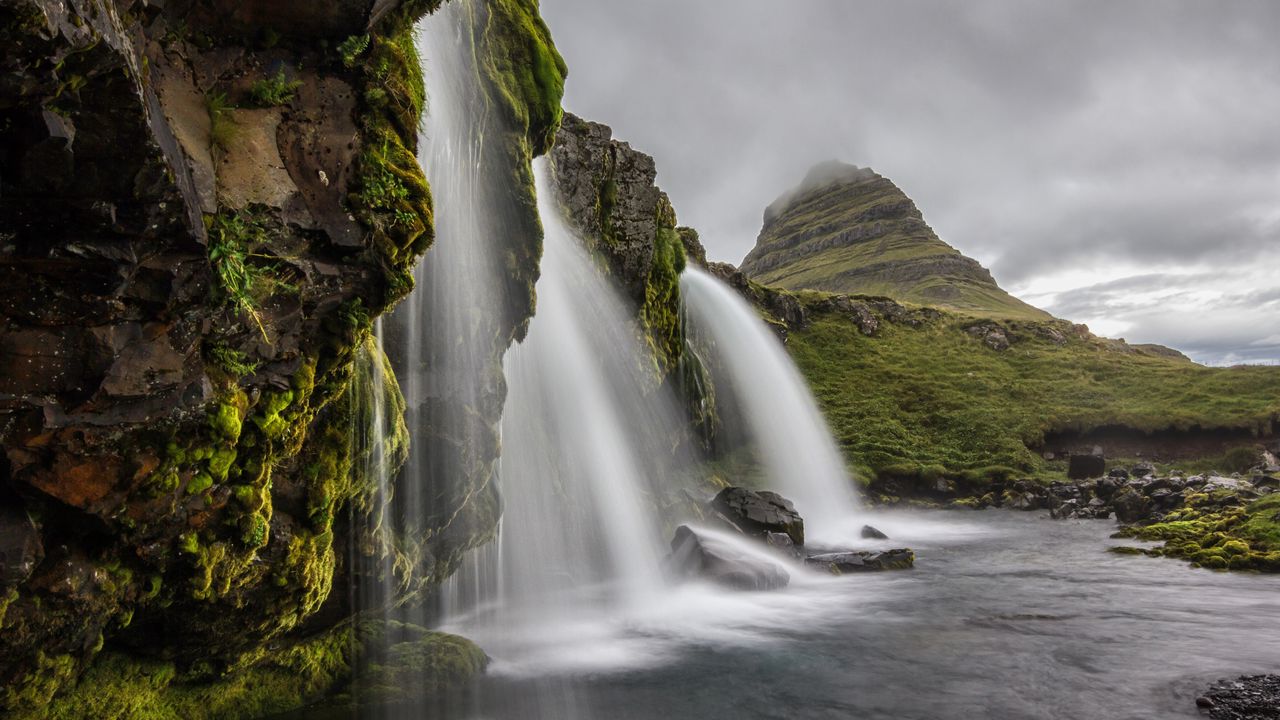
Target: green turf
[936, 396]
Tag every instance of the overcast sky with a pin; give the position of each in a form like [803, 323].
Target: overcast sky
[1115, 162]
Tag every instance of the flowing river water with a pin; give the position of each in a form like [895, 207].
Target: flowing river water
[1006, 615]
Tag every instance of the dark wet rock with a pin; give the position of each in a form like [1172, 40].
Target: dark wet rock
[783, 543]
[872, 533]
[1109, 486]
[702, 555]
[842, 563]
[1143, 469]
[1266, 481]
[1118, 473]
[1083, 467]
[1130, 505]
[1255, 697]
[21, 549]
[758, 513]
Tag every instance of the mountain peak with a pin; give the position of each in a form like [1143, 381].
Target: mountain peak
[820, 176]
[848, 229]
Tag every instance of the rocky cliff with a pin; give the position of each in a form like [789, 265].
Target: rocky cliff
[609, 194]
[847, 229]
[203, 206]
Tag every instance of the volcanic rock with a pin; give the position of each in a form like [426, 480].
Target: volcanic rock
[758, 513]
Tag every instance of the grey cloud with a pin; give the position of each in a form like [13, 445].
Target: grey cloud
[1035, 135]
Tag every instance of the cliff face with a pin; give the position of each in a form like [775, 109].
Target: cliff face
[609, 194]
[203, 205]
[847, 229]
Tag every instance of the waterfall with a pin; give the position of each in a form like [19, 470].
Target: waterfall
[581, 437]
[765, 390]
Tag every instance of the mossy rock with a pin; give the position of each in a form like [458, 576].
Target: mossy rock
[389, 662]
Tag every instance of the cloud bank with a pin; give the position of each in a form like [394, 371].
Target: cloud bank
[1088, 152]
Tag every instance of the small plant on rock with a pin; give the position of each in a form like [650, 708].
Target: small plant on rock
[352, 48]
[274, 90]
[221, 129]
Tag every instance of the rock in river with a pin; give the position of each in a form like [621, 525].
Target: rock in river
[701, 554]
[871, 533]
[757, 513]
[841, 563]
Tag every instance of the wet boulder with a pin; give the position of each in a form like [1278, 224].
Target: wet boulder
[783, 543]
[1131, 505]
[872, 533]
[1083, 467]
[757, 513]
[20, 546]
[843, 563]
[697, 554]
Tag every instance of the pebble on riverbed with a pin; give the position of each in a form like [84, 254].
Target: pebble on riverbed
[1254, 697]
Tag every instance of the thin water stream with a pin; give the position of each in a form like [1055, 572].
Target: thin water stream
[764, 389]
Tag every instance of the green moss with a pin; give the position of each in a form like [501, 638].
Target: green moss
[222, 130]
[1126, 550]
[36, 688]
[416, 663]
[523, 69]
[1221, 537]
[199, 483]
[6, 600]
[189, 543]
[270, 416]
[226, 417]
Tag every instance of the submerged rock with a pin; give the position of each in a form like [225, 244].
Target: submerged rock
[1246, 698]
[842, 563]
[701, 555]
[758, 513]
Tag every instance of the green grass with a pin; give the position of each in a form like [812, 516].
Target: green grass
[933, 395]
[222, 130]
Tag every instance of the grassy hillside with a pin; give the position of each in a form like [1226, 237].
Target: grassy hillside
[850, 230]
[924, 395]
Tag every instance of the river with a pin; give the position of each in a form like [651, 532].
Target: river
[1006, 615]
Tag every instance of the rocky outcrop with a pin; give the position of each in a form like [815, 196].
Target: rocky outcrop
[847, 229]
[204, 205]
[758, 513]
[608, 193]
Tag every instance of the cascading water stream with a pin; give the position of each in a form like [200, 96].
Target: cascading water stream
[579, 540]
[766, 390]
